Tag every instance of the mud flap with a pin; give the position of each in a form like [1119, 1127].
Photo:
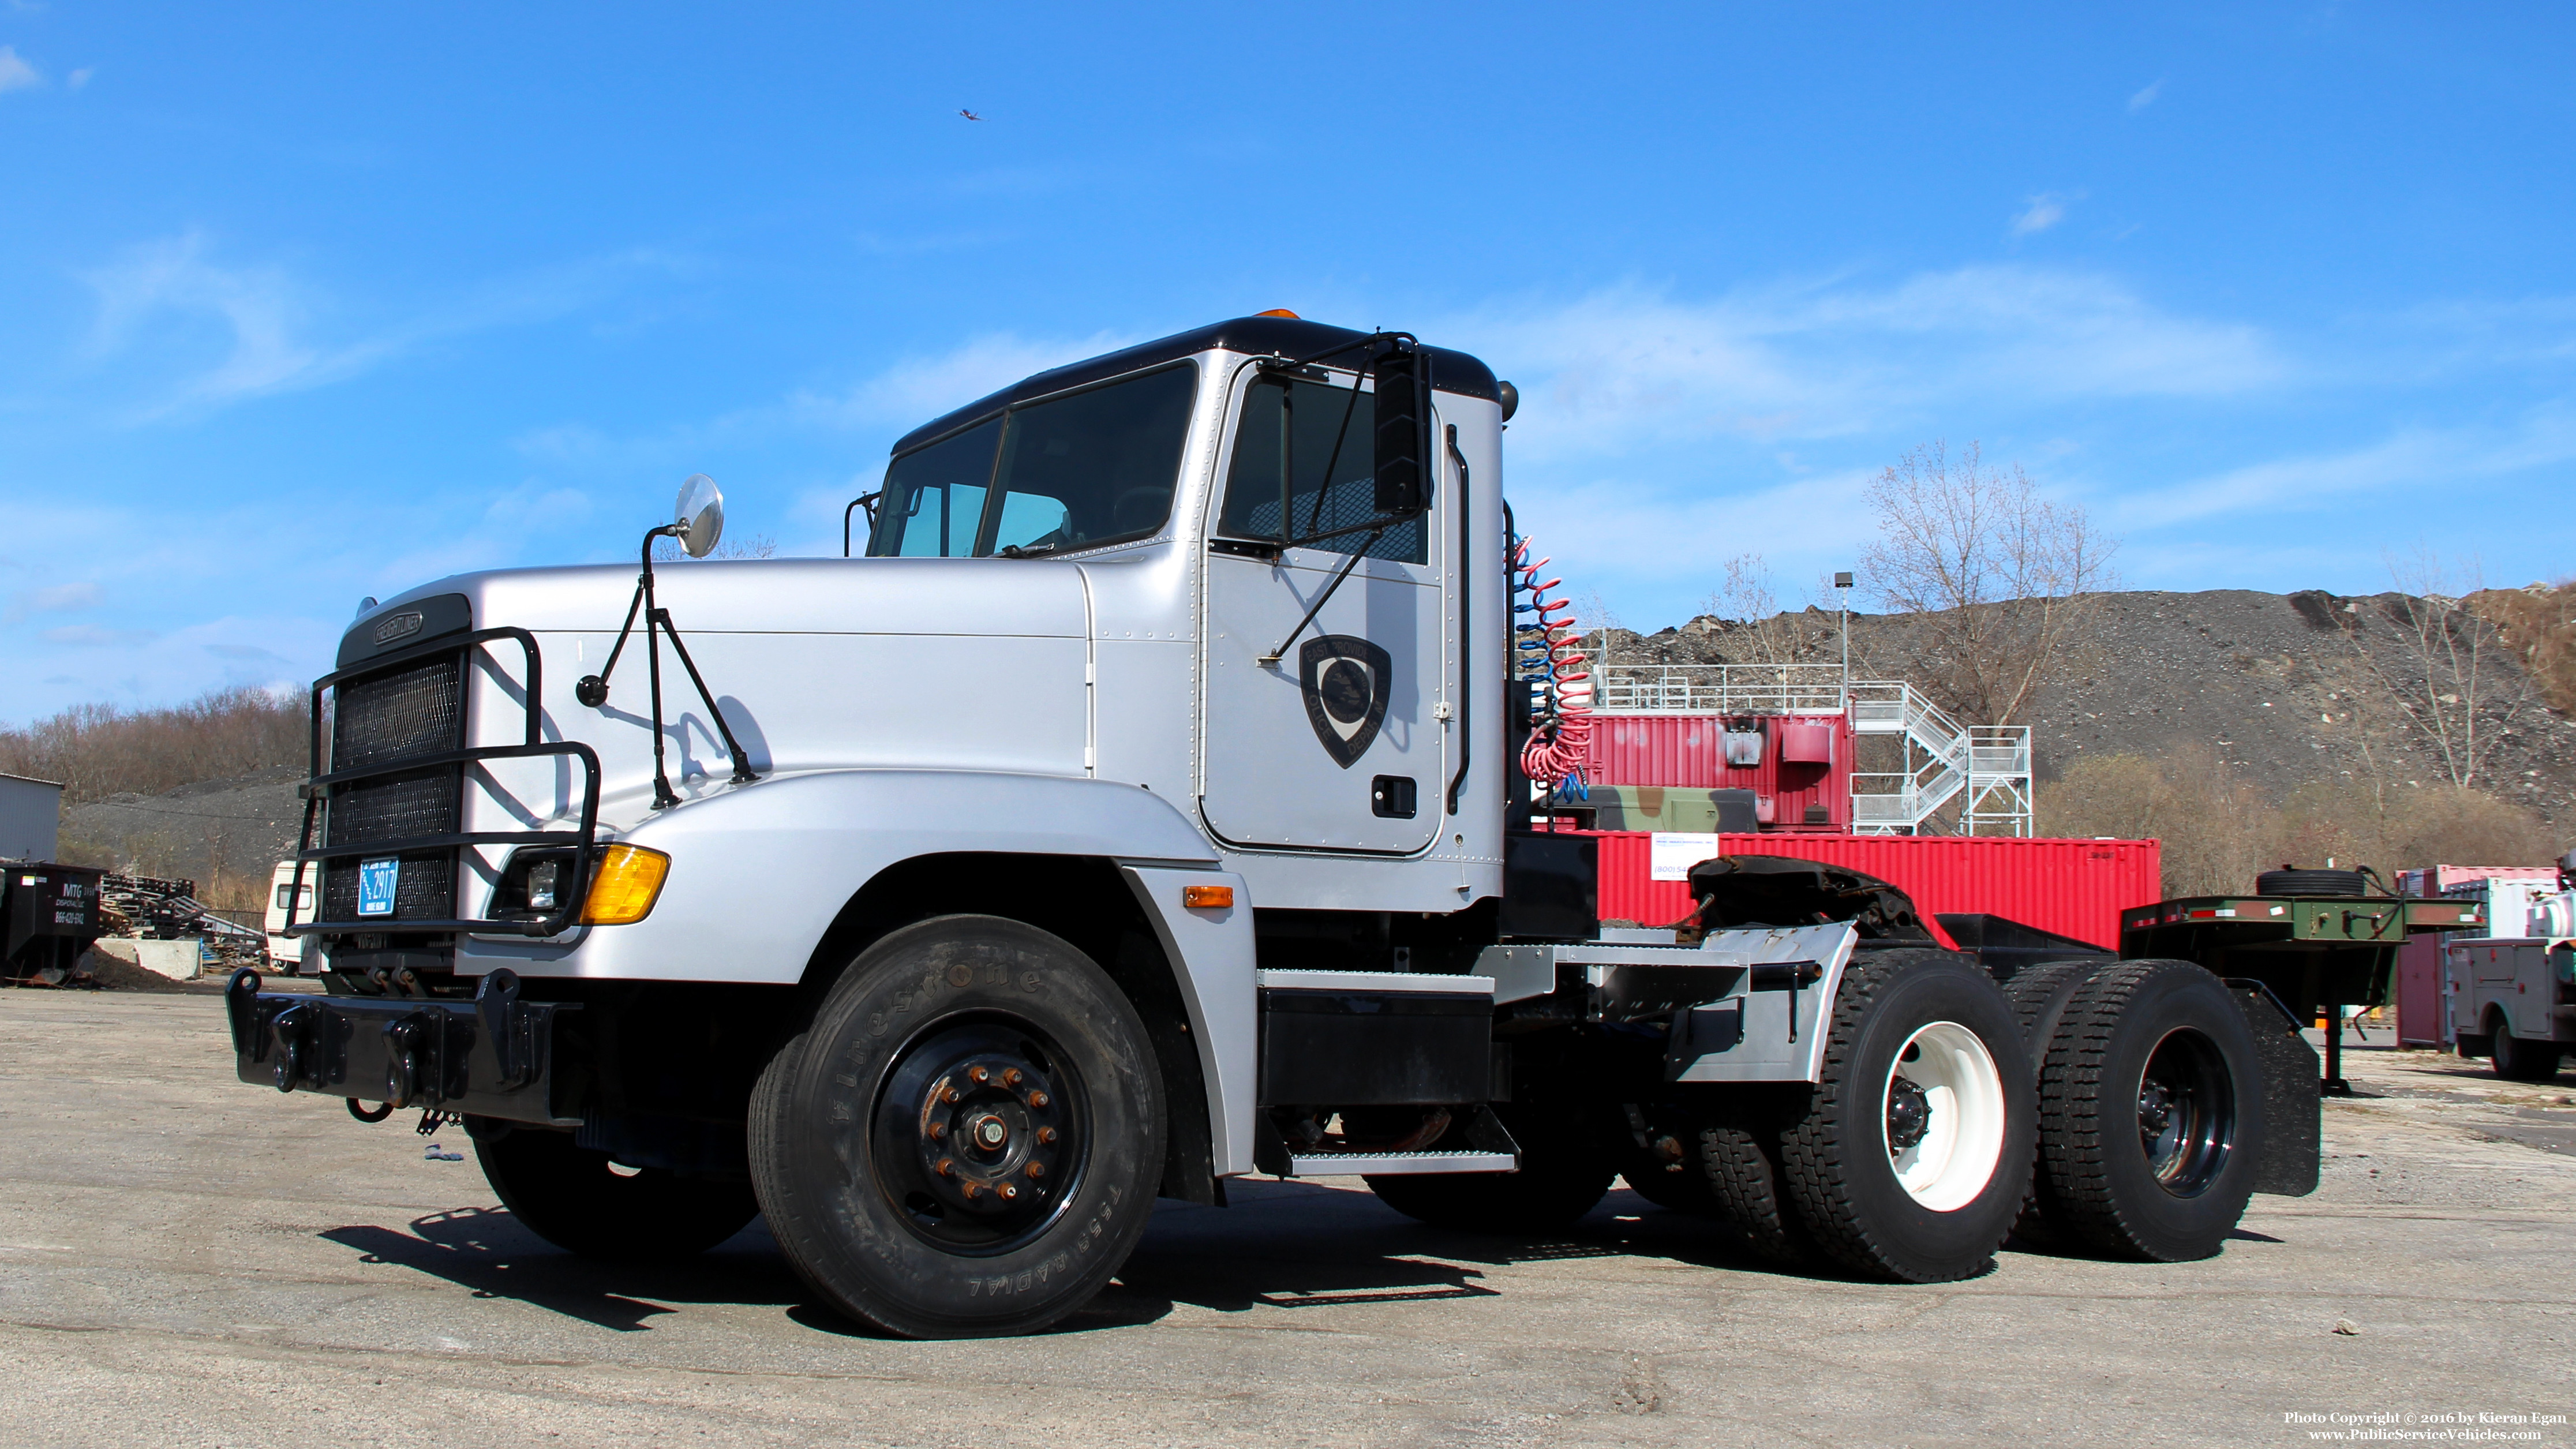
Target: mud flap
[2293, 1108]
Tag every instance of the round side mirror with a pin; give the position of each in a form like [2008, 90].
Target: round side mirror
[701, 515]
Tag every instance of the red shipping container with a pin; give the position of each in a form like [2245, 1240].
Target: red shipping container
[1689, 750]
[2073, 887]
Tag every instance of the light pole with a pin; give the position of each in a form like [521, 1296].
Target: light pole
[1842, 587]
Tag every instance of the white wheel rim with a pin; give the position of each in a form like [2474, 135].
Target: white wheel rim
[1963, 1136]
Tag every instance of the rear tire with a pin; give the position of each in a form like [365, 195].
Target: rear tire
[567, 1195]
[1740, 1161]
[2520, 1059]
[2039, 995]
[1910, 1161]
[2151, 1113]
[968, 1139]
[1564, 1174]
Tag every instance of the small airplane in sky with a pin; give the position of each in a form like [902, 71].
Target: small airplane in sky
[970, 115]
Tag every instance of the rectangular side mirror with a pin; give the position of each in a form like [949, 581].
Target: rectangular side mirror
[1403, 405]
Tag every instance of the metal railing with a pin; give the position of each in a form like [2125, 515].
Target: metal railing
[1990, 764]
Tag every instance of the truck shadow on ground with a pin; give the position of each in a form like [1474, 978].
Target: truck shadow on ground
[1283, 1245]
[486, 1251]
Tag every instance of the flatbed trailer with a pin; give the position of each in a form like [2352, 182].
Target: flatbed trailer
[2312, 953]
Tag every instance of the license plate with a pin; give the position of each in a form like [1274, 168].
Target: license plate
[376, 880]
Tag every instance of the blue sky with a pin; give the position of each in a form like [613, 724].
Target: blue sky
[299, 304]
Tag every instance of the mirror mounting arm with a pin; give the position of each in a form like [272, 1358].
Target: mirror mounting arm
[592, 690]
[1275, 655]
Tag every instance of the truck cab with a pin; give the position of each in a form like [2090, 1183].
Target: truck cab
[1147, 804]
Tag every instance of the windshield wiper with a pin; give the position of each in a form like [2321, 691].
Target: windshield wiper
[1035, 550]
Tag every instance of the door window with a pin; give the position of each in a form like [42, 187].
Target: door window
[1304, 452]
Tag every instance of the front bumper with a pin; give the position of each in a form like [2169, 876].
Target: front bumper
[493, 1056]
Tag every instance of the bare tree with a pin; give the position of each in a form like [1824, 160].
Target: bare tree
[1996, 576]
[2455, 678]
[759, 545]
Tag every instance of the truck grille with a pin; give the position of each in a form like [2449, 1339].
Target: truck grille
[417, 709]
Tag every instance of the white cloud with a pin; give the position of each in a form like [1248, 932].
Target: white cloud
[1627, 370]
[16, 74]
[150, 292]
[93, 636]
[2045, 210]
[918, 389]
[2145, 98]
[2434, 461]
[78, 78]
[63, 597]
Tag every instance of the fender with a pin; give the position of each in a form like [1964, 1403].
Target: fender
[759, 873]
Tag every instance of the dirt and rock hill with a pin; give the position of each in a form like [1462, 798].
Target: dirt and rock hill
[2282, 691]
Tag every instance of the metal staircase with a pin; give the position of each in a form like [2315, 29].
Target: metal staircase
[1943, 760]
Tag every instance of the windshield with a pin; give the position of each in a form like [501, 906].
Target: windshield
[1078, 471]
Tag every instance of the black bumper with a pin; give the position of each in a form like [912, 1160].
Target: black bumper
[493, 1056]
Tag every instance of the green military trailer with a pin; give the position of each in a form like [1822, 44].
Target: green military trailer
[2312, 952]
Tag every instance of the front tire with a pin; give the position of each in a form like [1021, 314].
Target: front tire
[968, 1138]
[569, 1196]
[1911, 1159]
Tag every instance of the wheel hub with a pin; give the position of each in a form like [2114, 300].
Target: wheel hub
[1909, 1115]
[975, 1137]
[2186, 1112]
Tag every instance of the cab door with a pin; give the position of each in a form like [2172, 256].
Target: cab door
[1337, 744]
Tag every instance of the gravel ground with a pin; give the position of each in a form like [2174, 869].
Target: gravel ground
[185, 1260]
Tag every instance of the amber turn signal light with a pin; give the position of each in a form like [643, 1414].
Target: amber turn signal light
[1207, 898]
[624, 883]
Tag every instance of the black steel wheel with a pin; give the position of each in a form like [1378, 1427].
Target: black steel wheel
[1665, 1170]
[2151, 1113]
[968, 1138]
[575, 1199]
[1565, 1170]
[2519, 1058]
[1909, 1158]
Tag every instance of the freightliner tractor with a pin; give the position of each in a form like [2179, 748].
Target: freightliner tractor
[1148, 805]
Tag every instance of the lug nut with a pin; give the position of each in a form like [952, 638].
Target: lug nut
[1037, 1099]
[970, 1190]
[1037, 1169]
[938, 1130]
[947, 1167]
[1007, 1191]
[1046, 1134]
[1011, 1078]
[980, 1074]
[948, 1094]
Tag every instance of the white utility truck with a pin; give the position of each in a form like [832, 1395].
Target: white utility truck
[290, 897]
[2513, 990]
[1150, 806]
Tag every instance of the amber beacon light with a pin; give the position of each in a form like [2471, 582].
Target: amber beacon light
[624, 885]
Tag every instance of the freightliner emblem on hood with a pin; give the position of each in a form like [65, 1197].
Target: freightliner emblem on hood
[1346, 682]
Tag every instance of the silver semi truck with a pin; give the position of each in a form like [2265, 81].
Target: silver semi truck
[1149, 805]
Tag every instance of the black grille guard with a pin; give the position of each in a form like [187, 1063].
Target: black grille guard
[321, 786]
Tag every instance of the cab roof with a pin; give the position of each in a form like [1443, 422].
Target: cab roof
[1451, 372]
